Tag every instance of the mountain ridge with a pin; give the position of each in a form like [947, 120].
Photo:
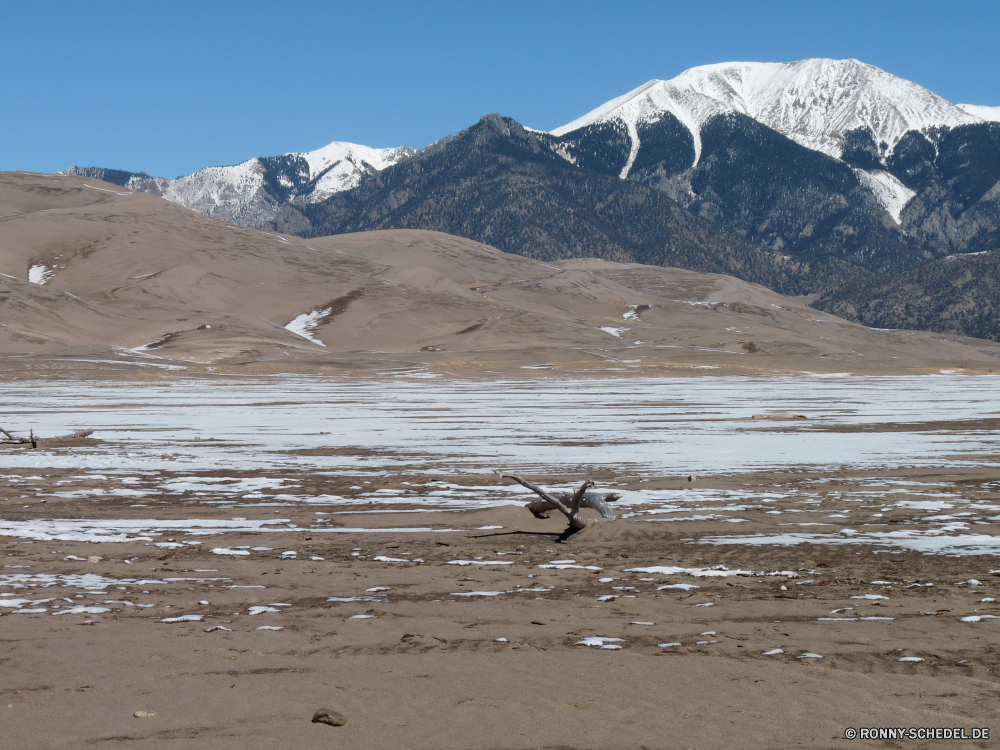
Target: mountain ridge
[808, 177]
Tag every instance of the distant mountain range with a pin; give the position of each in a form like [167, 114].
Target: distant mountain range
[830, 178]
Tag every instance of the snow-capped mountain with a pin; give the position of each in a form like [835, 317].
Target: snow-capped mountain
[814, 102]
[818, 176]
[741, 143]
[254, 192]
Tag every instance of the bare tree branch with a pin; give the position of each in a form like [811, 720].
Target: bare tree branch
[568, 505]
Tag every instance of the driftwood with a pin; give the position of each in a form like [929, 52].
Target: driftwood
[30, 440]
[568, 504]
[33, 441]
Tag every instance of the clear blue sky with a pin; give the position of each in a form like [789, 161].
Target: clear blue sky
[170, 87]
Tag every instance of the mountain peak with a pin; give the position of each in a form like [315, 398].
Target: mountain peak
[815, 102]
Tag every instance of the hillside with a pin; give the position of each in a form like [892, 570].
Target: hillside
[96, 277]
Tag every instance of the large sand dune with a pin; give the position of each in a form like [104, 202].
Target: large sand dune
[95, 276]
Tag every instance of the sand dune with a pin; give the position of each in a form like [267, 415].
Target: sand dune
[91, 271]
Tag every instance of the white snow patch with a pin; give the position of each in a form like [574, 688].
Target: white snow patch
[599, 641]
[481, 562]
[668, 570]
[305, 324]
[39, 274]
[682, 586]
[261, 609]
[616, 332]
[891, 194]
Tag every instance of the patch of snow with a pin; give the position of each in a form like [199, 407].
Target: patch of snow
[600, 642]
[260, 610]
[682, 586]
[481, 562]
[669, 570]
[891, 194]
[305, 324]
[616, 332]
[39, 274]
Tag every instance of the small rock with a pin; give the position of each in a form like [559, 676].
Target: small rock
[143, 714]
[328, 716]
[93, 559]
[691, 478]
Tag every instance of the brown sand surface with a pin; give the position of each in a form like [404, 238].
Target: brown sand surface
[407, 646]
[134, 284]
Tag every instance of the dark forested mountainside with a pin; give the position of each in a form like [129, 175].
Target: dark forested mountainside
[504, 185]
[957, 294]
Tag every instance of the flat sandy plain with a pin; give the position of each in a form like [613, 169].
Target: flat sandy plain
[267, 547]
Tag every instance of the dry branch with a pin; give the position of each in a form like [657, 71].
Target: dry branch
[33, 440]
[568, 505]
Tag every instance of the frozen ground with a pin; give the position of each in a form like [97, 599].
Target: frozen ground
[647, 426]
[346, 449]
[250, 541]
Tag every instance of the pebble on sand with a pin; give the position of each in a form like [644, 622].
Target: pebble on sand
[328, 716]
[143, 714]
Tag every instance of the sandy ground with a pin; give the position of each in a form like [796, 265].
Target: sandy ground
[431, 627]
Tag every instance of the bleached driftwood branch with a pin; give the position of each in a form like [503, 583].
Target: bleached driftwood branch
[567, 504]
[14, 440]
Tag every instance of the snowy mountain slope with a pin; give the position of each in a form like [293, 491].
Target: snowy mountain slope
[256, 192]
[888, 130]
[814, 102]
[340, 166]
[891, 194]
